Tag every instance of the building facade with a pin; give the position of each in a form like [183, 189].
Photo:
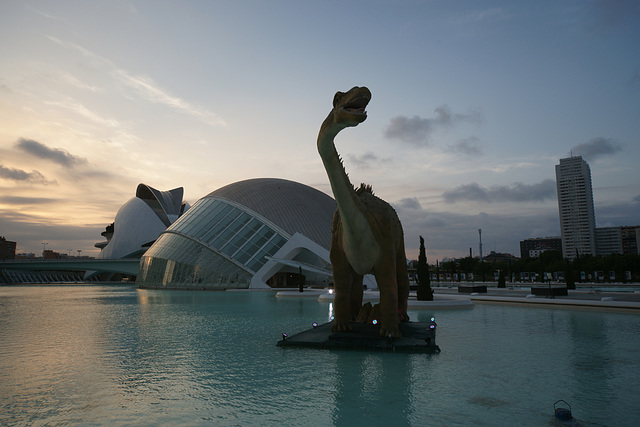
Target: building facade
[7, 249]
[575, 205]
[140, 221]
[244, 235]
[608, 240]
[630, 236]
[532, 248]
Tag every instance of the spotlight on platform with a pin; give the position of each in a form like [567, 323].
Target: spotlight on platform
[284, 336]
[433, 323]
[315, 325]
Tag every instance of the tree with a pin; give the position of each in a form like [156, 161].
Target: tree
[468, 264]
[568, 275]
[425, 293]
[501, 280]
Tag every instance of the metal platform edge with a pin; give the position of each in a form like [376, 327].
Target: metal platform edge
[417, 337]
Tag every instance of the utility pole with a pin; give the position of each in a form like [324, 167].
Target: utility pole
[481, 266]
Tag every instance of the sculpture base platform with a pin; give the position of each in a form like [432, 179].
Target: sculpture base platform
[417, 337]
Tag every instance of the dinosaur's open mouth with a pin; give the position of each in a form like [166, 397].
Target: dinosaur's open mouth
[357, 105]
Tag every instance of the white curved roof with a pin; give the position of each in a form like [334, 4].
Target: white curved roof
[167, 205]
[135, 224]
[141, 220]
[292, 206]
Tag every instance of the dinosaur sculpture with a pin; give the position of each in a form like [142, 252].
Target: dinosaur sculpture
[366, 234]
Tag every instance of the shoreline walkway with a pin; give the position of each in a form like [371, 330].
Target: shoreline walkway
[575, 297]
[449, 297]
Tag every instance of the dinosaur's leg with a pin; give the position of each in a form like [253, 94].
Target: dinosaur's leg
[356, 294]
[388, 285]
[342, 282]
[402, 278]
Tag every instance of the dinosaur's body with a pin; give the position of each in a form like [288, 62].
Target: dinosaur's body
[367, 235]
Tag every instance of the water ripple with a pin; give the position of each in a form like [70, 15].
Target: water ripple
[116, 355]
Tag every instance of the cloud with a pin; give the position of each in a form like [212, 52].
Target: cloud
[471, 191]
[73, 81]
[452, 233]
[595, 148]
[29, 232]
[56, 155]
[144, 86]
[149, 90]
[486, 15]
[618, 214]
[467, 146]
[366, 160]
[516, 192]
[97, 61]
[42, 13]
[417, 130]
[17, 200]
[408, 203]
[81, 110]
[19, 175]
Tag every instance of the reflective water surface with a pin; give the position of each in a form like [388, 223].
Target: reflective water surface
[118, 355]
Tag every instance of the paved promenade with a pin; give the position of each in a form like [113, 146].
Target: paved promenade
[449, 297]
[578, 297]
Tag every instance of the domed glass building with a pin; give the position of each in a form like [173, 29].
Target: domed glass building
[249, 234]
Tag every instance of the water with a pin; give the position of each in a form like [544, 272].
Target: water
[97, 355]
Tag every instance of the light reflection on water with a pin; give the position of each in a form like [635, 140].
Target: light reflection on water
[118, 355]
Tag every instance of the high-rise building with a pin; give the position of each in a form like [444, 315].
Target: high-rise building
[575, 204]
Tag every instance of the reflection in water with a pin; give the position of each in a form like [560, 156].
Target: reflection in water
[118, 355]
[372, 389]
[51, 349]
[590, 360]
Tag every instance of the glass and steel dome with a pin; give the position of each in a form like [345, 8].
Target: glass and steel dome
[234, 237]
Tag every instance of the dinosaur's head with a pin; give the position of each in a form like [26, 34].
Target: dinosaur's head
[349, 108]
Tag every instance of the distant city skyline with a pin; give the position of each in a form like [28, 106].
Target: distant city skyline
[473, 105]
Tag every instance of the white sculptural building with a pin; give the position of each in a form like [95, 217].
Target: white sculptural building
[140, 221]
[244, 235]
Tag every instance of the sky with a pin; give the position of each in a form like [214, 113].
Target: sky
[473, 104]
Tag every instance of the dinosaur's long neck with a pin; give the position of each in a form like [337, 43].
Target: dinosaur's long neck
[343, 190]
